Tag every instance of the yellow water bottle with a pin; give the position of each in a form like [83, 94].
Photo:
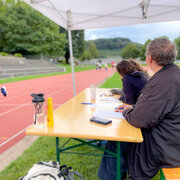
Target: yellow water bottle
[50, 120]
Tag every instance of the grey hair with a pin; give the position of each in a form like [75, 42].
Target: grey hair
[162, 51]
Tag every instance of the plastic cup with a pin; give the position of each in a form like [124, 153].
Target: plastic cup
[40, 121]
[39, 116]
[93, 93]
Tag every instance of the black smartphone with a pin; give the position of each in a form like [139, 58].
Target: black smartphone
[100, 120]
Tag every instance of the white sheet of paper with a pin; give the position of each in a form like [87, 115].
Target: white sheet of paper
[106, 105]
[108, 114]
[108, 99]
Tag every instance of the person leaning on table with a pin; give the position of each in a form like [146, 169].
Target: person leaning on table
[133, 79]
[157, 113]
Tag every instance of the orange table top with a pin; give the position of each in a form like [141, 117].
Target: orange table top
[72, 120]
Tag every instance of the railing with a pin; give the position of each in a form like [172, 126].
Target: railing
[18, 72]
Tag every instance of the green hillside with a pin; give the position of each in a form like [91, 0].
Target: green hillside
[108, 53]
[111, 47]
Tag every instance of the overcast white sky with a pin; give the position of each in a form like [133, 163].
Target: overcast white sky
[137, 33]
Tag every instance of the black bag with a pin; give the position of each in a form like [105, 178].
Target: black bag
[116, 91]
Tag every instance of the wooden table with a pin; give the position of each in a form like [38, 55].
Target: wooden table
[72, 120]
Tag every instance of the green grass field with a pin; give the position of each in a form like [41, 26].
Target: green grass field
[43, 149]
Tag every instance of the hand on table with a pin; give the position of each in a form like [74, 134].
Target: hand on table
[123, 107]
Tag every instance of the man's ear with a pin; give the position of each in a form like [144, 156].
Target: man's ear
[150, 59]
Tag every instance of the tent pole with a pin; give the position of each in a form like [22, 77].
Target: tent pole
[69, 25]
[71, 58]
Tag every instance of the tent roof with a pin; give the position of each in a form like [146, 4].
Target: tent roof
[87, 14]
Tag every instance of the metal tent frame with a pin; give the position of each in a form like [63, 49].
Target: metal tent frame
[87, 14]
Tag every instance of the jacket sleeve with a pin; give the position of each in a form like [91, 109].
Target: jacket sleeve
[128, 96]
[152, 106]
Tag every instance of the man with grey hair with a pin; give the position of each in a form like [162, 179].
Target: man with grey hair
[157, 113]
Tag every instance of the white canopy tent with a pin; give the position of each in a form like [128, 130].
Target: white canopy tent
[88, 14]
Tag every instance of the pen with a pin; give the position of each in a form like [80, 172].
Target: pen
[107, 95]
[102, 95]
[119, 108]
[87, 103]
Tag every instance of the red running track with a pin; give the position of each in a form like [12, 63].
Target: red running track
[16, 110]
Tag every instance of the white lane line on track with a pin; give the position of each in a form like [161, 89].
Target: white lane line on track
[54, 83]
[54, 92]
[21, 104]
[19, 84]
[13, 109]
[13, 104]
[29, 92]
[81, 82]
[34, 85]
[5, 142]
[11, 138]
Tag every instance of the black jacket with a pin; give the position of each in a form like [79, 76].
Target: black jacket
[157, 113]
[133, 83]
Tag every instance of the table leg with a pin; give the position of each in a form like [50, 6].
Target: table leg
[57, 150]
[161, 175]
[118, 161]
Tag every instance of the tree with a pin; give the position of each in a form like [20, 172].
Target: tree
[78, 44]
[177, 41]
[86, 55]
[24, 30]
[143, 50]
[92, 50]
[130, 51]
[110, 43]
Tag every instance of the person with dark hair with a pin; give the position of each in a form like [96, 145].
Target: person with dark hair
[133, 78]
[133, 82]
[136, 67]
[157, 113]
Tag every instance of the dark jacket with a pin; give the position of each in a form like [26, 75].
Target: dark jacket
[133, 83]
[157, 113]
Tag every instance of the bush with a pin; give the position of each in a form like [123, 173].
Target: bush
[63, 61]
[18, 55]
[85, 55]
[130, 51]
[3, 54]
